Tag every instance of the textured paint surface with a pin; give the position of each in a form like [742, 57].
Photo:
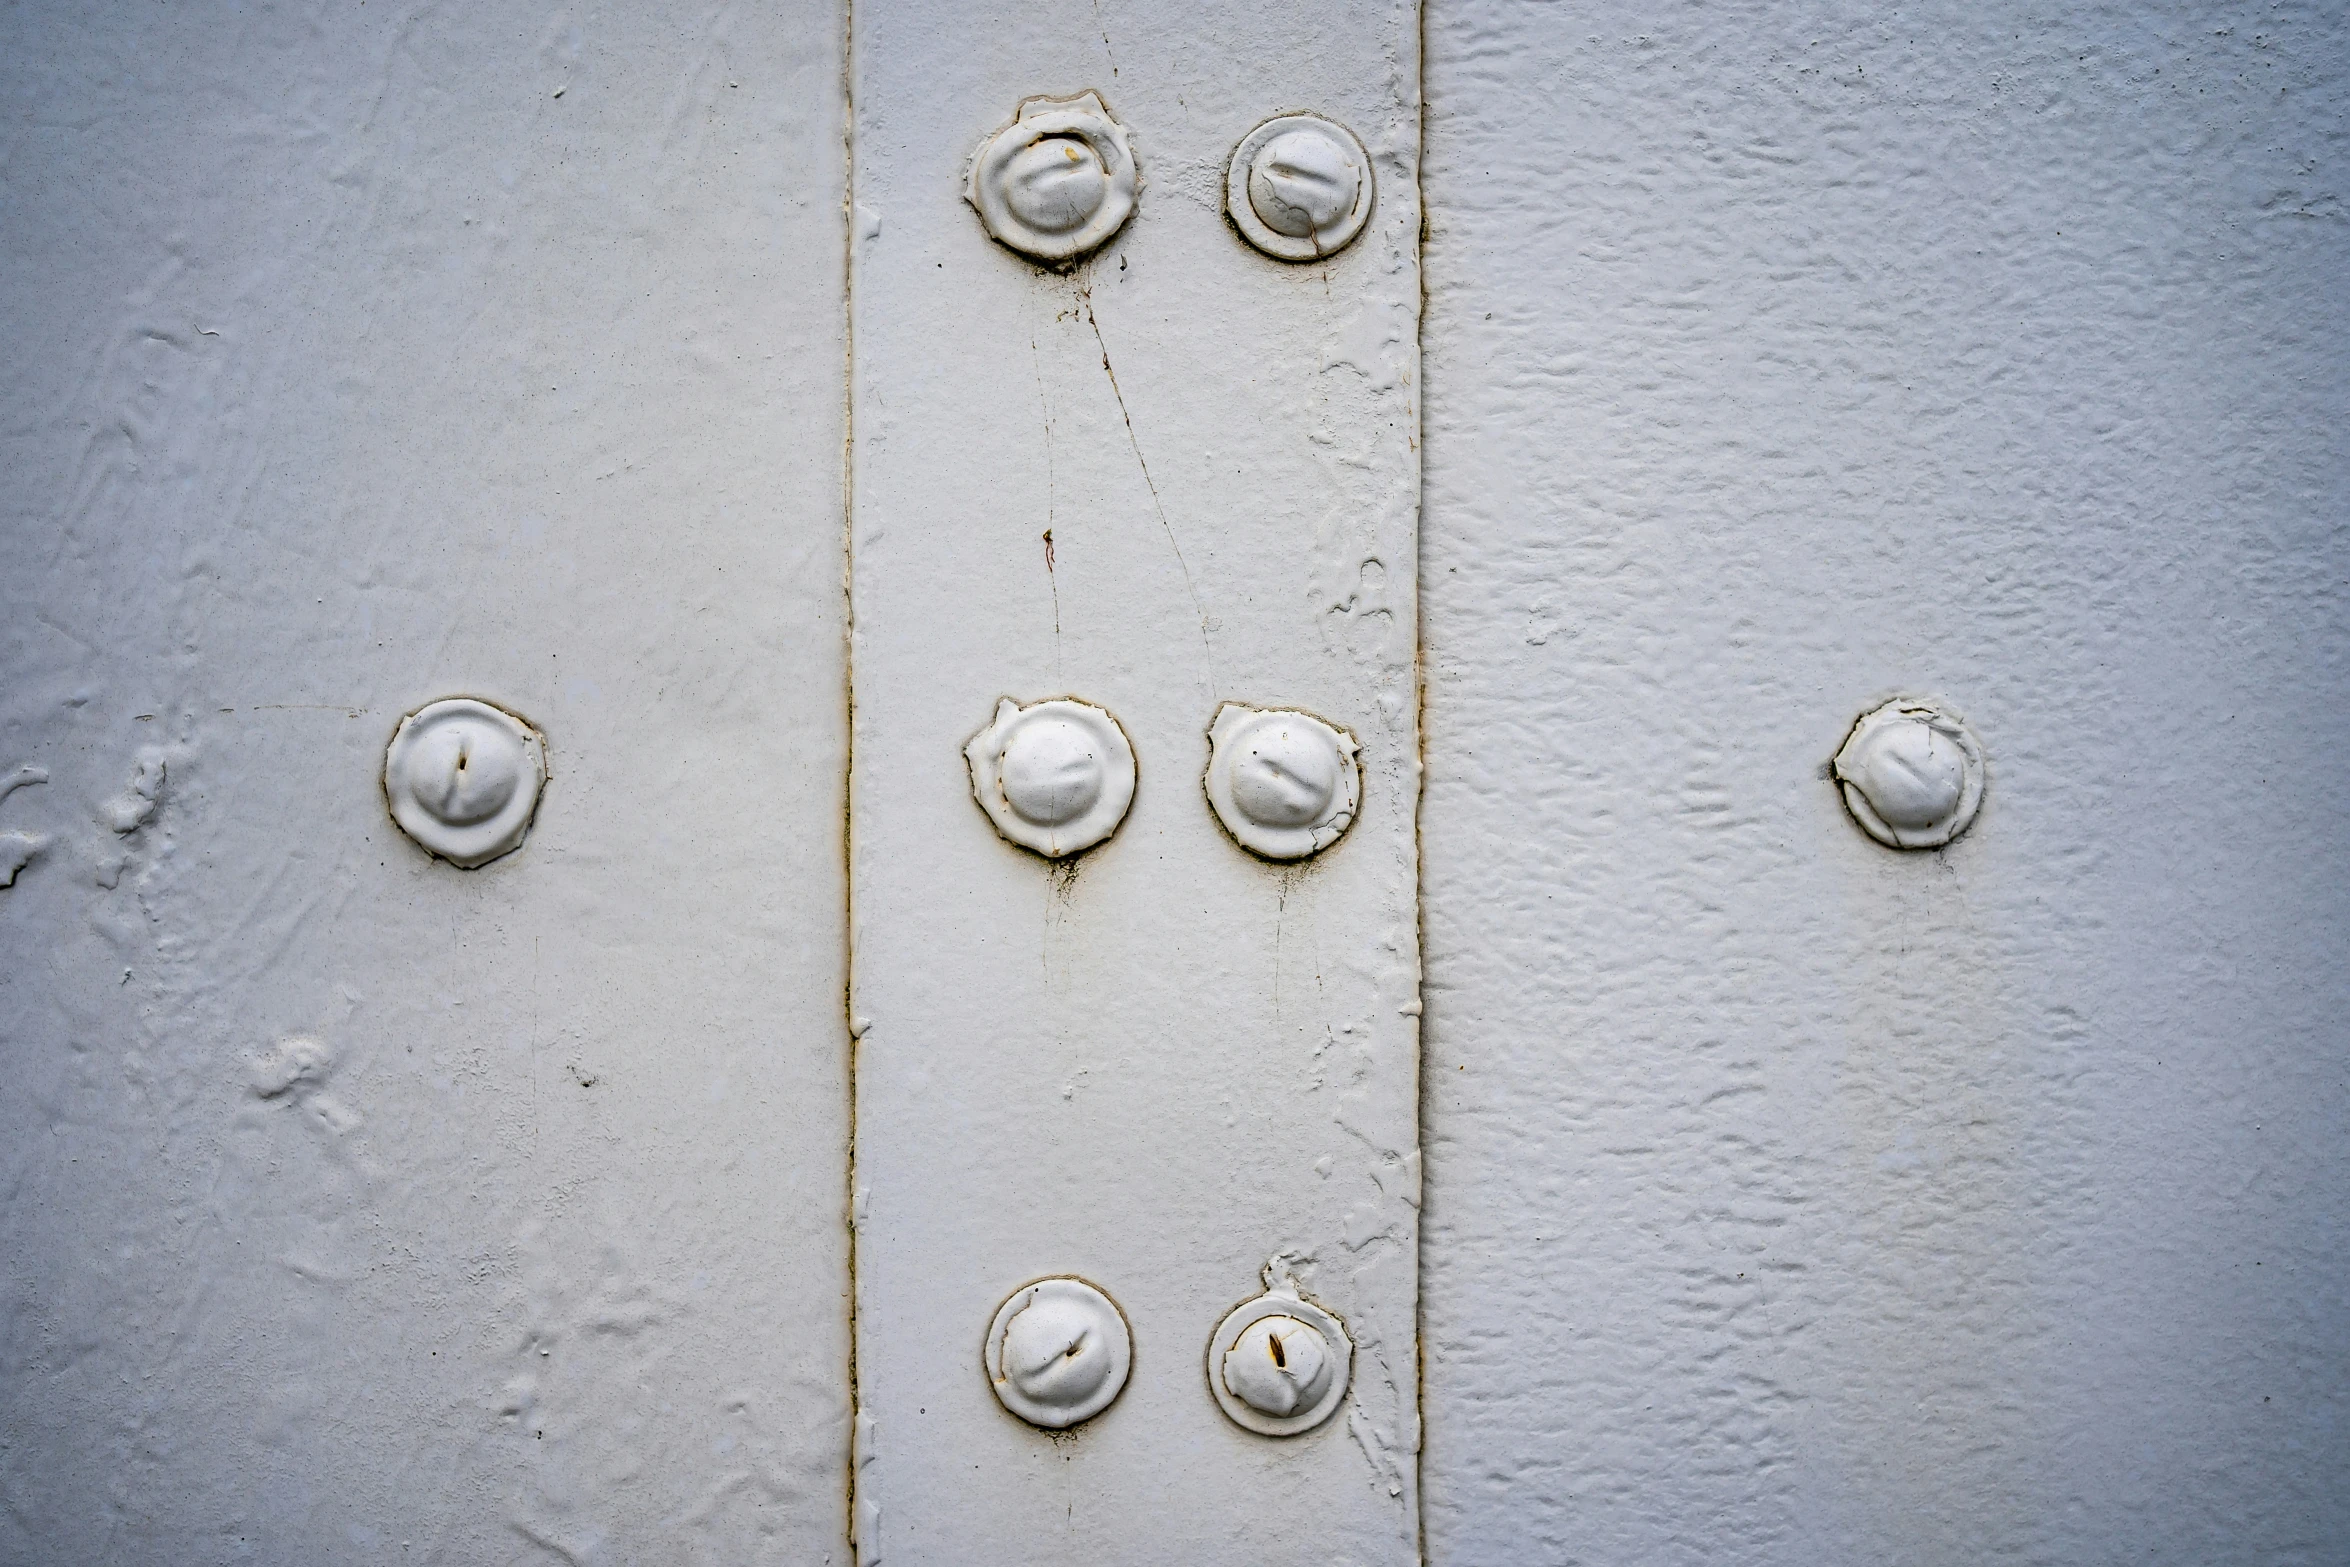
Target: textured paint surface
[1179, 475]
[1793, 1200]
[359, 1208]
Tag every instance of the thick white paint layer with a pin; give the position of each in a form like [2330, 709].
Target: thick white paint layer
[1159, 1064]
[361, 1208]
[1793, 1199]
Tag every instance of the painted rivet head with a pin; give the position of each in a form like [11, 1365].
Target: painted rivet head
[463, 778]
[1912, 775]
[1278, 1364]
[1058, 1352]
[1056, 182]
[1284, 783]
[1055, 777]
[1299, 187]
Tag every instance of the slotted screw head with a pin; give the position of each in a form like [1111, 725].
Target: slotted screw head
[1284, 783]
[1055, 777]
[1058, 1352]
[1912, 775]
[462, 778]
[1299, 187]
[1278, 1364]
[1056, 182]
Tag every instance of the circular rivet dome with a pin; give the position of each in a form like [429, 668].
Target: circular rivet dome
[1912, 775]
[463, 772]
[1056, 182]
[1055, 777]
[1055, 1353]
[1284, 783]
[1058, 1352]
[1278, 1364]
[1303, 182]
[1299, 187]
[463, 779]
[1285, 773]
[1055, 185]
[1052, 770]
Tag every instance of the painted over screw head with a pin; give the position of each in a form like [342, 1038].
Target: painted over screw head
[1055, 777]
[1284, 783]
[1056, 182]
[1278, 1364]
[1299, 187]
[1912, 775]
[1058, 1352]
[462, 778]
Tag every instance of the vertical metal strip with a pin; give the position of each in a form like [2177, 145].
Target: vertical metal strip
[1176, 480]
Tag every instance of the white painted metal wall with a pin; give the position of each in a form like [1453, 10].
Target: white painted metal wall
[360, 357]
[1792, 1200]
[1162, 1064]
[1788, 1200]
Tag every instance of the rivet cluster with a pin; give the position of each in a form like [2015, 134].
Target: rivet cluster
[1059, 1352]
[1057, 777]
[1060, 180]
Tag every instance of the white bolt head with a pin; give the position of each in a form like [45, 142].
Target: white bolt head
[1299, 187]
[1284, 783]
[1055, 777]
[1055, 185]
[1052, 771]
[463, 779]
[1912, 775]
[1056, 182]
[1278, 1364]
[1303, 182]
[1058, 1352]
